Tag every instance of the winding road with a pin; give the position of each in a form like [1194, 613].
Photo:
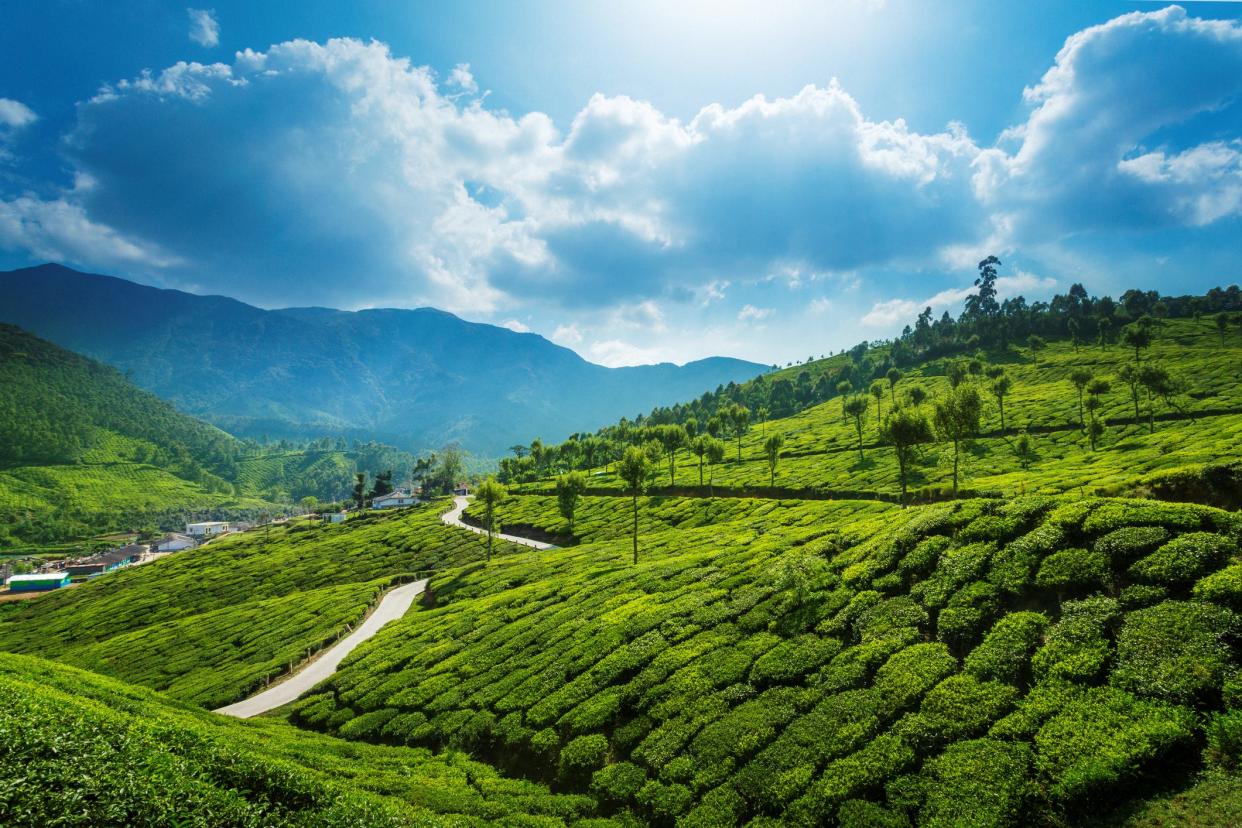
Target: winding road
[453, 518]
[392, 607]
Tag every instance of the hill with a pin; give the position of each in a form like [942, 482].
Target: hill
[417, 379]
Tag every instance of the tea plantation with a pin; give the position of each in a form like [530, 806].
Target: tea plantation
[211, 624]
[80, 749]
[1031, 661]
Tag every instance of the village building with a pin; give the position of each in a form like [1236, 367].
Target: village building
[461, 489]
[174, 542]
[206, 529]
[333, 517]
[38, 581]
[393, 500]
[106, 561]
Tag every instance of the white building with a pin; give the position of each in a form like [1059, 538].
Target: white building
[393, 500]
[333, 517]
[206, 529]
[174, 543]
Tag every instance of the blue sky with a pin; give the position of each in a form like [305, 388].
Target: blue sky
[768, 180]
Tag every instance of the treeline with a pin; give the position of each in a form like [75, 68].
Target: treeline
[986, 327]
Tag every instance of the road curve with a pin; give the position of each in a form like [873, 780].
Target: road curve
[392, 607]
[453, 518]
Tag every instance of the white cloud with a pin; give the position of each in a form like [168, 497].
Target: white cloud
[750, 312]
[616, 352]
[515, 326]
[60, 231]
[820, 304]
[15, 114]
[462, 79]
[204, 28]
[567, 335]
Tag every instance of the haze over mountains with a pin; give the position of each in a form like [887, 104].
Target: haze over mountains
[415, 378]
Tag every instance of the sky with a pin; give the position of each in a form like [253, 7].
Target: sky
[639, 181]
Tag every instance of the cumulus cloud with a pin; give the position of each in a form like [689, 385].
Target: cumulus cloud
[515, 326]
[58, 230]
[1101, 148]
[462, 78]
[15, 114]
[567, 335]
[204, 28]
[752, 313]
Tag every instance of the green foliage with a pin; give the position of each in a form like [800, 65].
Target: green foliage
[1175, 650]
[1078, 646]
[982, 783]
[1005, 653]
[1074, 570]
[1185, 558]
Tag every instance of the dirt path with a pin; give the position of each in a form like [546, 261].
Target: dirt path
[392, 607]
[453, 518]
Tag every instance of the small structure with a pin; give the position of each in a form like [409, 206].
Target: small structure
[107, 561]
[393, 500]
[461, 489]
[333, 517]
[174, 542]
[38, 581]
[206, 529]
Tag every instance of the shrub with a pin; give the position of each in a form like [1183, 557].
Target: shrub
[1074, 570]
[1175, 650]
[1222, 587]
[583, 755]
[846, 778]
[1106, 739]
[1224, 740]
[1005, 653]
[882, 619]
[1184, 558]
[665, 801]
[1043, 702]
[852, 666]
[1131, 541]
[907, 675]
[719, 808]
[793, 659]
[619, 782]
[922, 559]
[859, 813]
[958, 565]
[1077, 646]
[1137, 596]
[959, 707]
[981, 783]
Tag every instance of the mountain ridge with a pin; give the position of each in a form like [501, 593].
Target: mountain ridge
[417, 378]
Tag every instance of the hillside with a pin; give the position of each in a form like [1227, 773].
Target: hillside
[83, 450]
[79, 749]
[417, 379]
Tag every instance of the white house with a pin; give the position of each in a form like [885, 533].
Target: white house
[462, 489]
[333, 517]
[392, 500]
[206, 529]
[174, 543]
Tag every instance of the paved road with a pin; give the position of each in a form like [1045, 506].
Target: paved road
[392, 607]
[453, 518]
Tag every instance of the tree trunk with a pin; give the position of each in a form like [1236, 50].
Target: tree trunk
[1082, 422]
[489, 538]
[700, 471]
[1000, 403]
[955, 469]
[636, 529]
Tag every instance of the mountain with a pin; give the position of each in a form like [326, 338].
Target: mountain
[415, 378]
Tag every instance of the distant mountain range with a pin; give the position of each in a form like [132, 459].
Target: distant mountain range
[417, 379]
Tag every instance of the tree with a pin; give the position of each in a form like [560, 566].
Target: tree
[519, 451]
[739, 419]
[957, 420]
[763, 414]
[1222, 325]
[309, 503]
[1036, 344]
[383, 484]
[569, 489]
[672, 438]
[856, 407]
[917, 395]
[1000, 389]
[844, 388]
[715, 456]
[1080, 377]
[772, 448]
[634, 470]
[877, 391]
[906, 429]
[1131, 376]
[1096, 390]
[1073, 326]
[360, 490]
[893, 376]
[1137, 335]
[1158, 383]
[698, 447]
[490, 494]
[956, 372]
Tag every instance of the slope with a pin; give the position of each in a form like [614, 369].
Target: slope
[414, 378]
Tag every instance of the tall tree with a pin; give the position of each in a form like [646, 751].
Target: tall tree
[1157, 381]
[739, 419]
[360, 490]
[1081, 377]
[1132, 377]
[569, 489]
[698, 447]
[906, 429]
[856, 407]
[672, 438]
[1222, 325]
[1036, 344]
[893, 376]
[1000, 390]
[1096, 390]
[877, 391]
[844, 388]
[1137, 335]
[917, 395]
[763, 414]
[490, 494]
[634, 469]
[772, 449]
[957, 420]
[715, 456]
